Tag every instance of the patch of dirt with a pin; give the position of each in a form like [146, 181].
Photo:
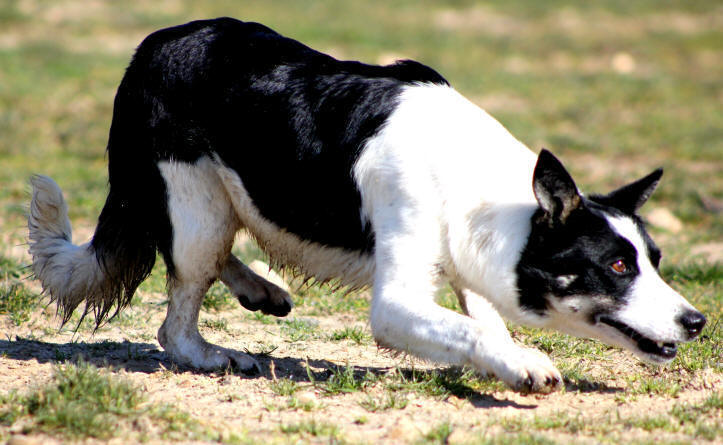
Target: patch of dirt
[237, 403]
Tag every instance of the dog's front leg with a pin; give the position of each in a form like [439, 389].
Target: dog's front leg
[517, 357]
[405, 317]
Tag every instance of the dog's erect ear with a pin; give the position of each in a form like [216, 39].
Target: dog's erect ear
[554, 188]
[631, 197]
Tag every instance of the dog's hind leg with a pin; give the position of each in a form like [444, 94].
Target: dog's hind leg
[254, 292]
[204, 224]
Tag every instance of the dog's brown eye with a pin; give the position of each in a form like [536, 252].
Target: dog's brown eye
[619, 266]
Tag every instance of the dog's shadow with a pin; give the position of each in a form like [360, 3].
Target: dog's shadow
[148, 358]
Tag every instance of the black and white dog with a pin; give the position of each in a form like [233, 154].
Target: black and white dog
[370, 175]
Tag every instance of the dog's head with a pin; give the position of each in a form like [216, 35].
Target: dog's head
[590, 269]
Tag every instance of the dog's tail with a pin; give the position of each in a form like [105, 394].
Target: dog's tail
[104, 272]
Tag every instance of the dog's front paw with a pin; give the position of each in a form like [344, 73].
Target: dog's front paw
[525, 370]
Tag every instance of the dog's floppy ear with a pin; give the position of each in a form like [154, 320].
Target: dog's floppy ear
[554, 188]
[631, 197]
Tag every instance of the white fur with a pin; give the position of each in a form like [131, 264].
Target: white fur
[448, 191]
[69, 272]
[652, 307]
[204, 225]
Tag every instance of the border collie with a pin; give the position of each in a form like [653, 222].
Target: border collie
[380, 176]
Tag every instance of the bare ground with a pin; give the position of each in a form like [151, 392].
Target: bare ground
[233, 403]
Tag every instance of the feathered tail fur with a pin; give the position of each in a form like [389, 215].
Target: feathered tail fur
[72, 274]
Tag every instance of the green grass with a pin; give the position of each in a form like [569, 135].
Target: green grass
[652, 385]
[344, 380]
[82, 401]
[328, 431]
[441, 384]
[324, 299]
[555, 421]
[355, 334]
[438, 434]
[284, 387]
[515, 439]
[216, 325]
[218, 298]
[298, 329]
[388, 401]
[16, 300]
[695, 419]
[702, 284]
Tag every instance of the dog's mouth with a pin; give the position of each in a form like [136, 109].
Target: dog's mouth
[656, 350]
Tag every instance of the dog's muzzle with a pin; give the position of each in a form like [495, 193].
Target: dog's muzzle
[691, 321]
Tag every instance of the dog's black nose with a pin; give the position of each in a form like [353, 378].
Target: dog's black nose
[693, 323]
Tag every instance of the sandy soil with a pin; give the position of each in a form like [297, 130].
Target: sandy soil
[236, 403]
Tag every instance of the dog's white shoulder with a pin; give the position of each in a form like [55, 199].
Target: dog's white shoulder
[462, 169]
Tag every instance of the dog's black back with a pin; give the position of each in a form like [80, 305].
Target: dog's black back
[290, 120]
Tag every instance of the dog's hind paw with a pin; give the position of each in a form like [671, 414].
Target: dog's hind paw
[255, 292]
[278, 304]
[527, 370]
[216, 357]
[244, 363]
[197, 353]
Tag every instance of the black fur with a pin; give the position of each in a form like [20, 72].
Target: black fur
[290, 120]
[570, 235]
[584, 246]
[554, 189]
[630, 198]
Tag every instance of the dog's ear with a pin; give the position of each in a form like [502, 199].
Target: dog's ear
[631, 197]
[554, 189]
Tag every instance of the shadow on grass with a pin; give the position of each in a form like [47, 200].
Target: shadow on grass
[135, 357]
[148, 358]
[585, 386]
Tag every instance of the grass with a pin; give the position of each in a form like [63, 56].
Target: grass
[16, 300]
[329, 432]
[218, 298]
[697, 420]
[444, 383]
[345, 380]
[388, 401]
[323, 299]
[216, 325]
[284, 387]
[298, 329]
[702, 284]
[82, 401]
[355, 334]
[694, 419]
[438, 434]
[652, 385]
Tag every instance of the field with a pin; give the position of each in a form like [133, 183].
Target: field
[615, 88]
